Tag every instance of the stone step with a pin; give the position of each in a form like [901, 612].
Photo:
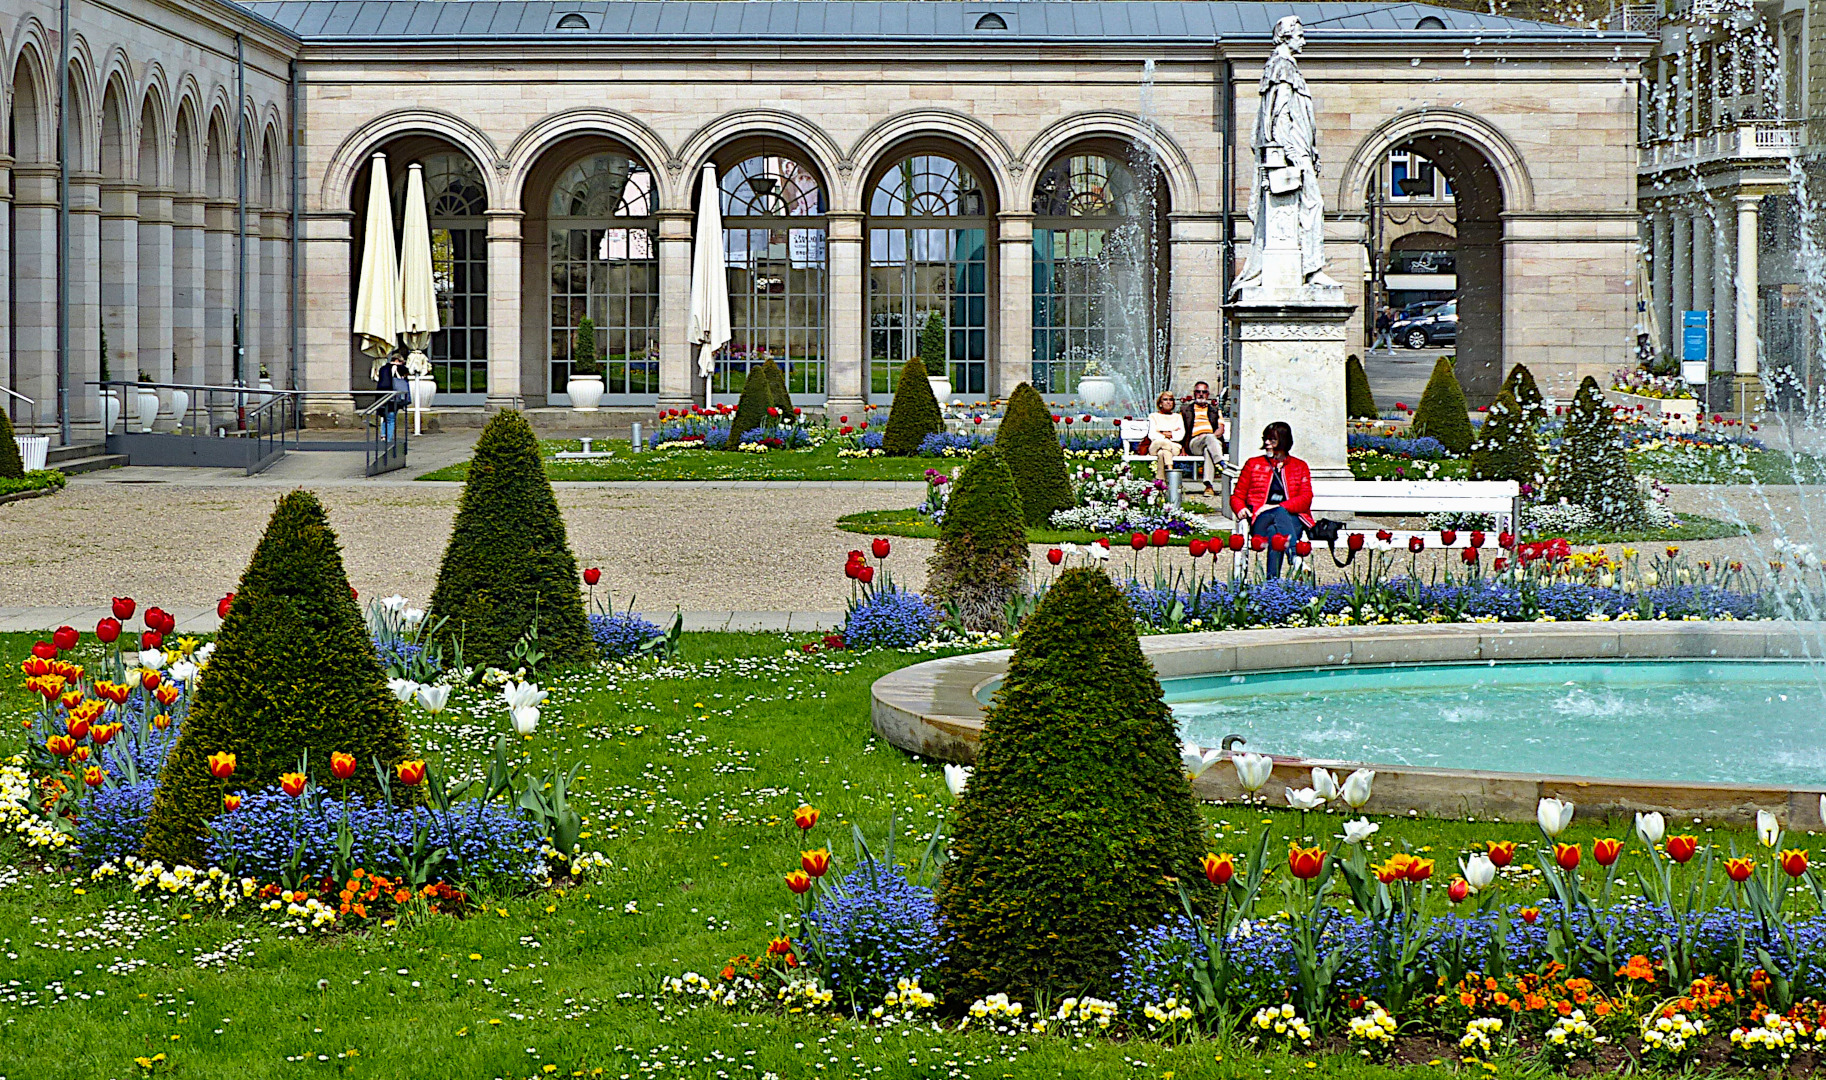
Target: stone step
[92, 463]
[72, 452]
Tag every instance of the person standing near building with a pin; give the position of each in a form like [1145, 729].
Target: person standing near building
[1207, 432]
[1385, 319]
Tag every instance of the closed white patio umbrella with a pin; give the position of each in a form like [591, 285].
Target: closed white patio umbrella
[709, 325]
[377, 310]
[418, 292]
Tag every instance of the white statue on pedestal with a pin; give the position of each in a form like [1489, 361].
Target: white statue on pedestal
[1287, 242]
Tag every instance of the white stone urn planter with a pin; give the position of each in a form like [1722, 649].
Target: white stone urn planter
[424, 388]
[1677, 416]
[146, 402]
[941, 389]
[110, 412]
[585, 392]
[267, 385]
[1097, 391]
[180, 407]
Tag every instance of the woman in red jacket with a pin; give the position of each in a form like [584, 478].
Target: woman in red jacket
[1274, 494]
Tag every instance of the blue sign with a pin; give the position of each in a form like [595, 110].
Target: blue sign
[1695, 335]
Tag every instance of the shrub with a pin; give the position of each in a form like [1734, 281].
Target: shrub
[776, 381]
[915, 413]
[1077, 813]
[293, 670]
[1593, 467]
[1031, 447]
[932, 345]
[12, 465]
[765, 389]
[1359, 402]
[584, 360]
[508, 563]
[875, 930]
[1520, 383]
[982, 544]
[1504, 448]
[891, 618]
[1442, 413]
[620, 635]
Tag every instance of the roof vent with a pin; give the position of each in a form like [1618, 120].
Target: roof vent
[991, 21]
[574, 21]
[1431, 22]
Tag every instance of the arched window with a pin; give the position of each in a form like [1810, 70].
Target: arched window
[602, 247]
[1096, 277]
[929, 273]
[774, 233]
[455, 201]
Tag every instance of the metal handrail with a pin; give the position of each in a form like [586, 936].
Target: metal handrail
[8, 391]
[384, 454]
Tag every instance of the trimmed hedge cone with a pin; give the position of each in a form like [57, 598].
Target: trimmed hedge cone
[294, 670]
[1078, 810]
[1359, 402]
[1593, 468]
[508, 562]
[1030, 443]
[915, 413]
[982, 545]
[1442, 412]
[1505, 448]
[1520, 383]
[12, 465]
[764, 389]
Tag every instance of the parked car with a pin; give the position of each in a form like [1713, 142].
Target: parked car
[1435, 327]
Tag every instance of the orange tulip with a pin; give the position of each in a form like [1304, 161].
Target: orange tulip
[161, 721]
[1394, 868]
[1530, 915]
[798, 881]
[411, 773]
[70, 699]
[231, 802]
[815, 863]
[1682, 848]
[221, 766]
[78, 728]
[1739, 870]
[780, 946]
[1219, 869]
[92, 776]
[342, 766]
[805, 817]
[1419, 870]
[1794, 862]
[1567, 855]
[166, 694]
[1606, 851]
[1305, 862]
[292, 783]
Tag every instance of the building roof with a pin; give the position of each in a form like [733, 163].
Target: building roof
[1023, 22]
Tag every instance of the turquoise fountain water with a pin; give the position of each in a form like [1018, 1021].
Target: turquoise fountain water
[1693, 721]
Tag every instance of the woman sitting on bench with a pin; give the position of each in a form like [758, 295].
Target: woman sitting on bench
[1274, 494]
[1166, 433]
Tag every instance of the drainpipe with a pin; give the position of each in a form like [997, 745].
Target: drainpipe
[292, 242]
[240, 211]
[1228, 98]
[63, 225]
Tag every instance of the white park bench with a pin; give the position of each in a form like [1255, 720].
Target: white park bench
[1134, 432]
[1343, 499]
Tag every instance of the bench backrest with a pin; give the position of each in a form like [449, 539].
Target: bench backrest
[1394, 496]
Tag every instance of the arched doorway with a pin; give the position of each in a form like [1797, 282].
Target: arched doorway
[1099, 278]
[1421, 268]
[774, 233]
[31, 254]
[929, 225]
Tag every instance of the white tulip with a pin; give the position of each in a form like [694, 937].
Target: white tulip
[1356, 832]
[395, 602]
[434, 698]
[151, 659]
[1650, 578]
[1097, 552]
[1823, 807]
[412, 616]
[184, 671]
[1252, 770]
[1605, 580]
[1304, 799]
[204, 653]
[403, 689]
[957, 778]
[1768, 830]
[1479, 871]
[1325, 782]
[518, 695]
[1357, 786]
[526, 718]
[1650, 827]
[1553, 816]
[1196, 759]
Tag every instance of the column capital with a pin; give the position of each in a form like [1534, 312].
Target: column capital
[504, 225]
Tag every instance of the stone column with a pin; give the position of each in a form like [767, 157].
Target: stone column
[187, 291]
[35, 291]
[253, 341]
[1680, 271]
[21, 413]
[1012, 331]
[273, 297]
[504, 286]
[1704, 239]
[155, 297]
[679, 384]
[82, 364]
[119, 270]
[1661, 257]
[1194, 284]
[219, 307]
[1746, 386]
[847, 344]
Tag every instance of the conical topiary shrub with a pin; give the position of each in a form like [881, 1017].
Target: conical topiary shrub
[1442, 411]
[1592, 469]
[982, 545]
[1078, 812]
[776, 378]
[1359, 402]
[1520, 383]
[765, 389]
[584, 358]
[915, 414]
[12, 466]
[508, 563]
[1030, 444]
[293, 671]
[1504, 448]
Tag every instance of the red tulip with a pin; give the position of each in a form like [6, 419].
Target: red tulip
[1682, 848]
[1104, 541]
[1303, 548]
[1161, 538]
[107, 630]
[799, 882]
[60, 745]
[411, 773]
[44, 650]
[1505, 540]
[1458, 890]
[149, 680]
[1502, 852]
[1794, 862]
[865, 574]
[1219, 869]
[1355, 543]
[1198, 547]
[1500, 564]
[78, 728]
[1739, 870]
[592, 576]
[1606, 851]
[223, 605]
[1477, 538]
[1055, 556]
[1305, 863]
[1448, 537]
[292, 783]
[880, 547]
[154, 616]
[353, 595]
[1531, 915]
[221, 765]
[1278, 542]
[1469, 555]
[1138, 540]
[1567, 855]
[1236, 541]
[805, 817]
[65, 638]
[231, 802]
[93, 776]
[167, 622]
[342, 766]
[1416, 544]
[1258, 543]
[151, 639]
[124, 607]
[815, 863]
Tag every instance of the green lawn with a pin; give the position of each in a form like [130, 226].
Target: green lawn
[912, 523]
[816, 463]
[690, 777]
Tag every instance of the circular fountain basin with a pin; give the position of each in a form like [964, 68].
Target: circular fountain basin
[1711, 720]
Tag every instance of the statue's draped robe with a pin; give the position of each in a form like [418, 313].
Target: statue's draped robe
[1285, 120]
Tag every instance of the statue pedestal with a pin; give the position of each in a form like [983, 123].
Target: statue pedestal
[1289, 342]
